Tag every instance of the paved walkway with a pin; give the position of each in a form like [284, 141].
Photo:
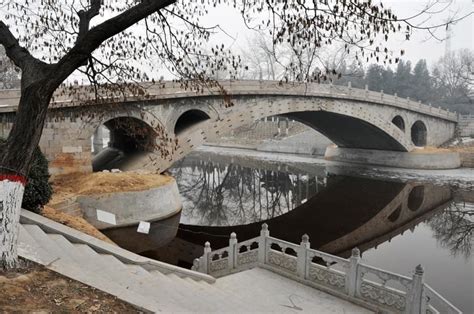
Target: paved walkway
[270, 292]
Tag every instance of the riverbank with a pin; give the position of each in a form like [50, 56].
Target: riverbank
[463, 177]
[116, 199]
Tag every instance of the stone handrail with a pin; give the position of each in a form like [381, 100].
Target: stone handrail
[346, 278]
[79, 95]
[123, 255]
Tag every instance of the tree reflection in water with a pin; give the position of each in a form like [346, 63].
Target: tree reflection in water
[216, 195]
[454, 228]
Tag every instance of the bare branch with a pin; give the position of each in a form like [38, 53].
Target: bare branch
[85, 17]
[18, 54]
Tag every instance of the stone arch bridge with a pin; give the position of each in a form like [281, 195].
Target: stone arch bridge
[179, 120]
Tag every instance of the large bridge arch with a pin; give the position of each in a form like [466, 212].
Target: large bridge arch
[353, 131]
[347, 123]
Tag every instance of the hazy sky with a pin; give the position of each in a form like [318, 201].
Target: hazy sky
[421, 45]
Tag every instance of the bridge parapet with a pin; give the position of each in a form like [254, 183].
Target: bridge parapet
[172, 90]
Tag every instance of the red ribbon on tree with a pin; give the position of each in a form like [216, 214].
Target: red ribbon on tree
[14, 178]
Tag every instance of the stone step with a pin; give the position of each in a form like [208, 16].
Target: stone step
[134, 277]
[63, 265]
[233, 300]
[190, 297]
[27, 246]
[79, 260]
[46, 242]
[211, 295]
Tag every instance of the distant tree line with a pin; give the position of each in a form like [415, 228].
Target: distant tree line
[449, 84]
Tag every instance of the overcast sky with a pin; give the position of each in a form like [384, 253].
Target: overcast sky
[421, 45]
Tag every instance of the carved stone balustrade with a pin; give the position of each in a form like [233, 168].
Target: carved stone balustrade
[349, 279]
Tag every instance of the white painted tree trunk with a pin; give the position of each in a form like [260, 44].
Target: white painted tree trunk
[11, 196]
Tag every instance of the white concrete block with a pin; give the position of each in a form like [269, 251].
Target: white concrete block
[106, 217]
[143, 227]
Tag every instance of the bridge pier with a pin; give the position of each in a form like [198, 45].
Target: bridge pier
[411, 160]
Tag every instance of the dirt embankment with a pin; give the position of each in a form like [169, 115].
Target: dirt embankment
[73, 222]
[72, 185]
[433, 150]
[68, 187]
[39, 290]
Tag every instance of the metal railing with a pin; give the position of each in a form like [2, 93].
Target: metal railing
[347, 278]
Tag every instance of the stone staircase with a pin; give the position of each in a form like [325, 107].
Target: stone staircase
[150, 285]
[466, 125]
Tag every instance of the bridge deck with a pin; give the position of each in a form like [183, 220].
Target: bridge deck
[172, 90]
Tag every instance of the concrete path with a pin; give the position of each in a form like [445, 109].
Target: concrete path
[158, 287]
[267, 291]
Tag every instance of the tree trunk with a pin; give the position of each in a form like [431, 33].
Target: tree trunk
[11, 195]
[15, 159]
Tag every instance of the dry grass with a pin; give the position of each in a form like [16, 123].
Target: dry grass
[76, 223]
[71, 185]
[36, 289]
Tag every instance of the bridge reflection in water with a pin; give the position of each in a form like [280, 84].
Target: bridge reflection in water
[225, 194]
[337, 212]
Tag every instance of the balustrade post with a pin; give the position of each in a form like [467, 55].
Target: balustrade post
[196, 265]
[262, 244]
[352, 280]
[366, 91]
[381, 94]
[302, 261]
[232, 251]
[205, 258]
[415, 297]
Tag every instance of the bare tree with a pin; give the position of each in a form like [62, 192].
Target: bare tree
[454, 229]
[261, 59]
[453, 77]
[113, 41]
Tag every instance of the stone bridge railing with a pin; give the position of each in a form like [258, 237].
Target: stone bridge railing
[346, 278]
[171, 90]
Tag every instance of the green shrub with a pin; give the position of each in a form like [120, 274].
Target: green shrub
[38, 191]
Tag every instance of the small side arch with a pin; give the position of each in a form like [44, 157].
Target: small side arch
[419, 133]
[189, 119]
[399, 122]
[416, 198]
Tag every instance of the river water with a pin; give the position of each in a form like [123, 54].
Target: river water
[397, 218]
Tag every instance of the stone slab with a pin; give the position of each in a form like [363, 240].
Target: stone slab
[267, 291]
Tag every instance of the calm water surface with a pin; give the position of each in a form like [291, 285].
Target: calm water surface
[397, 224]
